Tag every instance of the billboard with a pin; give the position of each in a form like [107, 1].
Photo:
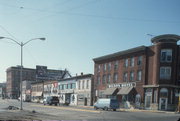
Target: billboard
[41, 72]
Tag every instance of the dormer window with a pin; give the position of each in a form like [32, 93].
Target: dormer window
[166, 55]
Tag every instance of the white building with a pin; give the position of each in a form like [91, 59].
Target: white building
[76, 90]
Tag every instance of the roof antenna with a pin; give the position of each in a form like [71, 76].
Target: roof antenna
[150, 36]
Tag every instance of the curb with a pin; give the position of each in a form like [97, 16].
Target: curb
[152, 111]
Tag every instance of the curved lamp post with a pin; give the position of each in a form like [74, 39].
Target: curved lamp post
[22, 44]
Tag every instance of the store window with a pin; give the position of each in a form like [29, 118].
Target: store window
[155, 96]
[165, 72]
[166, 55]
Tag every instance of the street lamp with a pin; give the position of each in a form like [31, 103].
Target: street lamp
[22, 44]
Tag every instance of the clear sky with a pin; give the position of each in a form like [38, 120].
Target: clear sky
[77, 31]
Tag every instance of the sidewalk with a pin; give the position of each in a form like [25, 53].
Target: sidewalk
[136, 110]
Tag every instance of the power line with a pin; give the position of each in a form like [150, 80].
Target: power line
[66, 12]
[7, 32]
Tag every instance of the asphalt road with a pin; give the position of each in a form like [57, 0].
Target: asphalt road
[79, 113]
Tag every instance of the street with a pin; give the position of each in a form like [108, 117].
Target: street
[78, 113]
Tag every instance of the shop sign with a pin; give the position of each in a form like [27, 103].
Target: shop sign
[120, 85]
[66, 91]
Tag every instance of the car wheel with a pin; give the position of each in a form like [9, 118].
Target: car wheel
[114, 109]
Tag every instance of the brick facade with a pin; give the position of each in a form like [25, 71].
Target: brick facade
[156, 77]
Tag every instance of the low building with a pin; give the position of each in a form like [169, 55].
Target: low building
[84, 90]
[146, 76]
[37, 91]
[77, 90]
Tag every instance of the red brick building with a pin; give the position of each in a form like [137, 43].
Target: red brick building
[147, 77]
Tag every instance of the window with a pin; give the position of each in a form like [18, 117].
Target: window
[163, 92]
[155, 96]
[108, 78]
[139, 61]
[166, 55]
[139, 75]
[79, 85]
[98, 79]
[132, 62]
[115, 77]
[131, 76]
[104, 67]
[87, 84]
[109, 66]
[126, 63]
[69, 86]
[98, 68]
[116, 65]
[165, 72]
[125, 76]
[83, 84]
[73, 86]
[104, 79]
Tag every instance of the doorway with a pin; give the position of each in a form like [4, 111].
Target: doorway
[163, 104]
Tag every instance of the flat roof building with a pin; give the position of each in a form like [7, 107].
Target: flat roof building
[145, 76]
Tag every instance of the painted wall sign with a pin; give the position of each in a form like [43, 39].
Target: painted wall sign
[120, 85]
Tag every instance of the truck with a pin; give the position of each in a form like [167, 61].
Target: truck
[106, 104]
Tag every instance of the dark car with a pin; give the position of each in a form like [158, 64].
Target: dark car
[51, 100]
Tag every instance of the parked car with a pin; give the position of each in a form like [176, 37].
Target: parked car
[51, 100]
[106, 104]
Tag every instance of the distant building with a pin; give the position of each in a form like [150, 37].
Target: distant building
[147, 77]
[2, 90]
[13, 80]
[41, 73]
[43, 88]
[26, 90]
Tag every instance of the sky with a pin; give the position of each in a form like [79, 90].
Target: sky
[77, 31]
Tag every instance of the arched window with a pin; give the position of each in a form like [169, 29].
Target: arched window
[163, 92]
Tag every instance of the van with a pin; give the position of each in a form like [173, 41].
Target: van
[106, 104]
[51, 100]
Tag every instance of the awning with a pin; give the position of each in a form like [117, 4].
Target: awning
[125, 90]
[110, 91]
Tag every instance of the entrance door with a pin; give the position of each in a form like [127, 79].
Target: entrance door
[163, 104]
[148, 102]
